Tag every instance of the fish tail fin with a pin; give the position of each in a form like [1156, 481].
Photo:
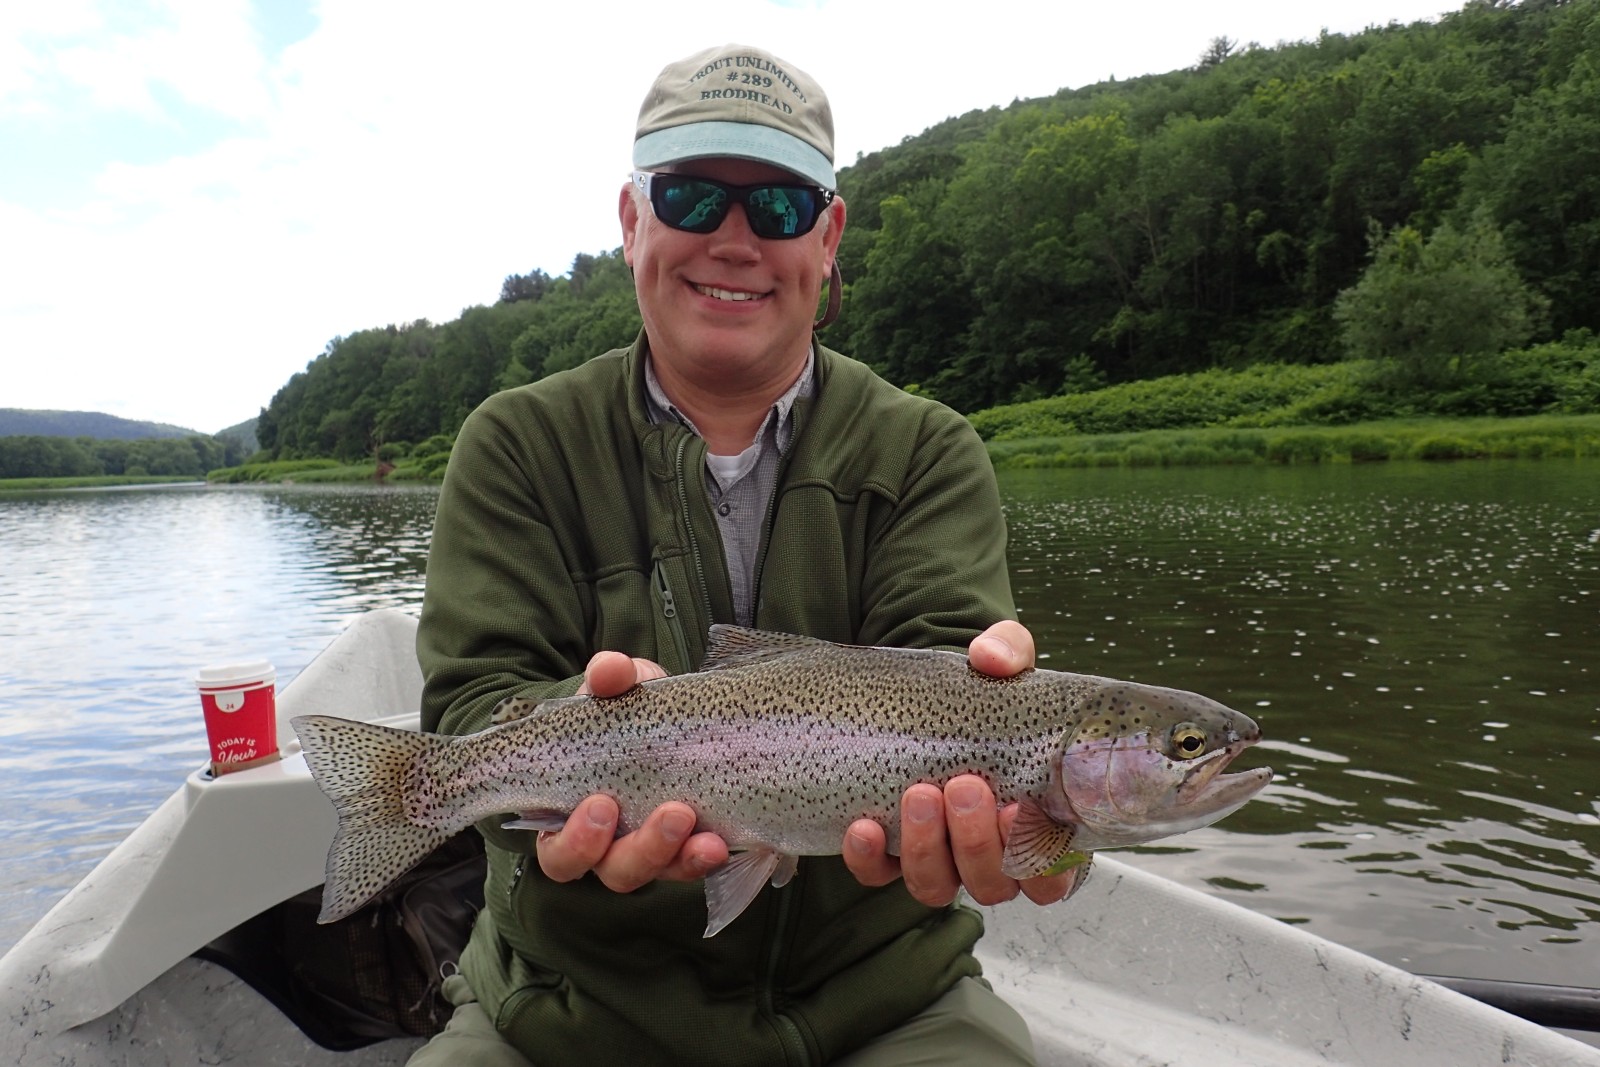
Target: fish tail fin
[362, 768]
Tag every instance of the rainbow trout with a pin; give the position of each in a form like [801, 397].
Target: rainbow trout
[779, 743]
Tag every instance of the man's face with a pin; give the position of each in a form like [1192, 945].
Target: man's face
[728, 308]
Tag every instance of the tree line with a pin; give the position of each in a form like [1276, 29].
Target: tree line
[35, 456]
[1267, 205]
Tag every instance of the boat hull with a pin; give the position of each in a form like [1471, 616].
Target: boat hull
[1133, 970]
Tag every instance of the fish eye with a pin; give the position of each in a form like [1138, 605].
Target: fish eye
[1188, 741]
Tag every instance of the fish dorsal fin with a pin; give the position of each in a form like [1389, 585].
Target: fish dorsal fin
[737, 646]
[731, 887]
[1037, 844]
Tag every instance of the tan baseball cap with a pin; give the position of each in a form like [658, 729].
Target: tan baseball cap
[740, 102]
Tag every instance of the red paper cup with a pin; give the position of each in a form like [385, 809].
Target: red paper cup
[241, 712]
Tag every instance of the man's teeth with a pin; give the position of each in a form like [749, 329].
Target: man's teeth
[725, 294]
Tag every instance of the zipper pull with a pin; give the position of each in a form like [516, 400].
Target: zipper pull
[669, 607]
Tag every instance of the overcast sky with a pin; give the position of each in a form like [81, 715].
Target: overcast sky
[197, 195]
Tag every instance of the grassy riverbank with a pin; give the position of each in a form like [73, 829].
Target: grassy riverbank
[1535, 437]
[315, 471]
[20, 485]
[1395, 440]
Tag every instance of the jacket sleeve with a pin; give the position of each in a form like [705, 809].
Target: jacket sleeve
[936, 572]
[501, 615]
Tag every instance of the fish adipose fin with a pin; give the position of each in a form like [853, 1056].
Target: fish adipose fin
[1038, 845]
[360, 767]
[731, 887]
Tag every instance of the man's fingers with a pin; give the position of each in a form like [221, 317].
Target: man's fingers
[609, 674]
[573, 851]
[650, 851]
[925, 861]
[1004, 649]
[975, 843]
[866, 854]
[664, 847]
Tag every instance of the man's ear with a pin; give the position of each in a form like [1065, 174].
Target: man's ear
[628, 214]
[830, 240]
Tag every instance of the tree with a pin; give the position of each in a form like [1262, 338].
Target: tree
[1434, 307]
[1219, 49]
[532, 286]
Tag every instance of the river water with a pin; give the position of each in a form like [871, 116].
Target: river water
[1419, 643]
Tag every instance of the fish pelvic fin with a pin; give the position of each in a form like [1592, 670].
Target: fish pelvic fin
[731, 887]
[362, 767]
[1038, 845]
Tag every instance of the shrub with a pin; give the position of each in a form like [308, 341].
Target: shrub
[1447, 446]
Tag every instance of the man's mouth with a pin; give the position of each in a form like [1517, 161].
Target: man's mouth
[727, 294]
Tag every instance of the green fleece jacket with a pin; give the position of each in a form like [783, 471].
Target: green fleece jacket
[568, 524]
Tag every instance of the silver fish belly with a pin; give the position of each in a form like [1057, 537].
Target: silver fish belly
[779, 743]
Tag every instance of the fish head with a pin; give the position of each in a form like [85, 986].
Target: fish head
[1143, 762]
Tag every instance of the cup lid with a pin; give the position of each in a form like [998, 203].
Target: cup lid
[230, 675]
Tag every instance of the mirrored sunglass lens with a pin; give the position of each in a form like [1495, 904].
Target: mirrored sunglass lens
[688, 204]
[781, 212]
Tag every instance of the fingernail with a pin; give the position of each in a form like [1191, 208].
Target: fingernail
[701, 864]
[675, 825]
[964, 797]
[921, 807]
[858, 843]
[1003, 645]
[599, 813]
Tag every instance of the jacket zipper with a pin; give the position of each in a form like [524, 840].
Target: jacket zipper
[766, 523]
[788, 1032]
[694, 544]
[669, 611]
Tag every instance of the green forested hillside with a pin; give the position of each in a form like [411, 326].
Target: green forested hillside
[18, 422]
[91, 444]
[1200, 219]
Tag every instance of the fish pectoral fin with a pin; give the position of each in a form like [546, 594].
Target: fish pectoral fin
[537, 820]
[731, 887]
[1037, 844]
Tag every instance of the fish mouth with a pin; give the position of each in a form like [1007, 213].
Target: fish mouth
[1206, 788]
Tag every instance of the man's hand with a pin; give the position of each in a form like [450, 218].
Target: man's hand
[954, 837]
[664, 846]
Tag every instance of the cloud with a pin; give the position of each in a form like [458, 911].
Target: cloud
[233, 199]
[134, 57]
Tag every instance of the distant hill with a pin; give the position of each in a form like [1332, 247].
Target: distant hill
[21, 422]
[245, 434]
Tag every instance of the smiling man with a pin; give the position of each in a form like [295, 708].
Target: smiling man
[725, 468]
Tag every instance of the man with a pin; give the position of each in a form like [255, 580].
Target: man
[724, 469]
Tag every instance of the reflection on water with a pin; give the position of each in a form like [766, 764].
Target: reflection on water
[1418, 643]
[109, 601]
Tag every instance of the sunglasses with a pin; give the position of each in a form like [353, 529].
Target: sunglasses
[698, 205]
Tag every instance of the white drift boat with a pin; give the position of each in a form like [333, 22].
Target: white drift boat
[1133, 970]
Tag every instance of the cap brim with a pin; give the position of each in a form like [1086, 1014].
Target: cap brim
[735, 140]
